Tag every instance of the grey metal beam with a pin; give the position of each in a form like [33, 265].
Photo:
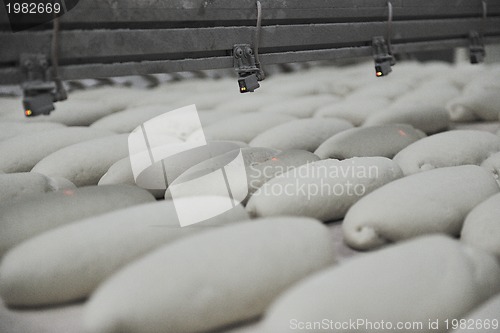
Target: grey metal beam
[146, 13]
[73, 72]
[166, 44]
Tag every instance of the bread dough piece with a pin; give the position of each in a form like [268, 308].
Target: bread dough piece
[483, 106]
[383, 140]
[434, 93]
[479, 99]
[53, 267]
[14, 128]
[41, 212]
[483, 315]
[86, 162]
[305, 134]
[21, 153]
[481, 228]
[430, 119]
[355, 111]
[492, 164]
[447, 149]
[207, 182]
[432, 278]
[78, 112]
[259, 173]
[10, 105]
[324, 190]
[214, 278]
[428, 202]
[16, 185]
[116, 98]
[249, 102]
[126, 121]
[301, 107]
[242, 127]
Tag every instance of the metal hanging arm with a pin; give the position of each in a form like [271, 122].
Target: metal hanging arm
[477, 50]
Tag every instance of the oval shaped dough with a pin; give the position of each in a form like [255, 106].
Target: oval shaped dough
[447, 149]
[324, 190]
[482, 315]
[425, 279]
[69, 262]
[492, 164]
[40, 212]
[242, 127]
[354, 111]
[304, 134]
[204, 179]
[21, 153]
[11, 129]
[86, 162]
[16, 185]
[428, 202]
[427, 118]
[384, 140]
[213, 278]
[481, 228]
[127, 120]
[301, 107]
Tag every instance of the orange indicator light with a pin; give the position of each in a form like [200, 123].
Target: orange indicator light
[28, 113]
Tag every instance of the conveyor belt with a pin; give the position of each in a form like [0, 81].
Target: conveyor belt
[114, 38]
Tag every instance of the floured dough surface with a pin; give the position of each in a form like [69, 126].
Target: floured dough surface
[305, 134]
[384, 140]
[424, 203]
[69, 262]
[86, 162]
[40, 212]
[215, 278]
[397, 284]
[453, 148]
[481, 228]
[324, 190]
[21, 153]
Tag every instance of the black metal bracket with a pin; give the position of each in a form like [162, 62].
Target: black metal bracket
[39, 92]
[246, 67]
[477, 51]
[383, 59]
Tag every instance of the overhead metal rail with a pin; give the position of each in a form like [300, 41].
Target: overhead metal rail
[124, 37]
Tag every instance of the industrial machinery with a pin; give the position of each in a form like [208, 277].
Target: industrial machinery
[127, 37]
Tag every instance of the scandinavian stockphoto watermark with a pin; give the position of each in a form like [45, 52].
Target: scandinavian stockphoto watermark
[156, 149]
[314, 179]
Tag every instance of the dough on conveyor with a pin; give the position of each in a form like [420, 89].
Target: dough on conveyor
[69, 262]
[481, 228]
[211, 279]
[127, 120]
[324, 190]
[14, 186]
[479, 100]
[21, 153]
[428, 118]
[301, 107]
[448, 149]
[86, 162]
[482, 317]
[41, 212]
[420, 281]
[305, 134]
[355, 111]
[206, 178]
[9, 129]
[243, 127]
[383, 140]
[428, 202]
[492, 164]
